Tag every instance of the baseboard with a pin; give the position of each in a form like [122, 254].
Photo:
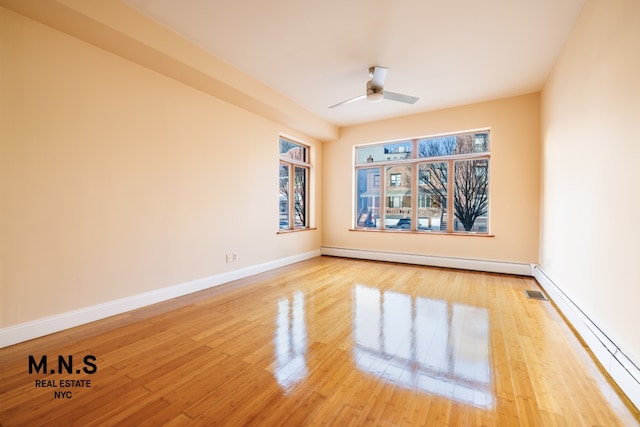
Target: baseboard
[59, 322]
[521, 269]
[621, 369]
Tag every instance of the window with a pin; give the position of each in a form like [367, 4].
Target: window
[294, 185]
[424, 201]
[422, 181]
[368, 201]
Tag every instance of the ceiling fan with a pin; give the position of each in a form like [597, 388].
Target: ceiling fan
[375, 93]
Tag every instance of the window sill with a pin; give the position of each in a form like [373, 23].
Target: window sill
[295, 230]
[425, 232]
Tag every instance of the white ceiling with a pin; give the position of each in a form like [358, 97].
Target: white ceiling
[446, 52]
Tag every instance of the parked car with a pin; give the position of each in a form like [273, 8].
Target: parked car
[403, 223]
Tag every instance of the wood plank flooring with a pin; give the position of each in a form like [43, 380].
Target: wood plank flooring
[328, 341]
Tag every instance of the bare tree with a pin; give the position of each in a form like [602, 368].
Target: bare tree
[470, 191]
[471, 198]
[284, 194]
[471, 178]
[434, 177]
[299, 193]
[300, 188]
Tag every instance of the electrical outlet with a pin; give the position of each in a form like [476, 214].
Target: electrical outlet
[228, 258]
[235, 256]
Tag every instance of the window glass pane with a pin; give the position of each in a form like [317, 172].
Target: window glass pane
[300, 206]
[432, 196]
[454, 144]
[384, 152]
[368, 198]
[437, 147]
[473, 143]
[481, 142]
[471, 202]
[284, 196]
[398, 197]
[293, 150]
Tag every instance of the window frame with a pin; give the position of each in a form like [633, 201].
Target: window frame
[292, 164]
[414, 160]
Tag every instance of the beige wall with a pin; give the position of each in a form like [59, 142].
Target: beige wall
[116, 180]
[514, 182]
[589, 195]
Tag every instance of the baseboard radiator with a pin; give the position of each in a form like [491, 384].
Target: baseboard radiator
[521, 269]
[624, 371]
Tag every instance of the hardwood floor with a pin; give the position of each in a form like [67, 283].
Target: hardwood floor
[328, 341]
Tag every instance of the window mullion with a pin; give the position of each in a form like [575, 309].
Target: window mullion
[295, 162]
[307, 213]
[414, 196]
[383, 197]
[292, 197]
[450, 196]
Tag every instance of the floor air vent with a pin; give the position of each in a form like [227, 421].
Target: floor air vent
[536, 295]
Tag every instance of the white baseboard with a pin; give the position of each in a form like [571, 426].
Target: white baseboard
[623, 371]
[520, 269]
[59, 322]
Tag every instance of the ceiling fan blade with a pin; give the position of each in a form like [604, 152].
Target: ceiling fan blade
[348, 101]
[407, 99]
[378, 75]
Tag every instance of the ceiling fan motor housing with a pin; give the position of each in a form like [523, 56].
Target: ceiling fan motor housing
[374, 94]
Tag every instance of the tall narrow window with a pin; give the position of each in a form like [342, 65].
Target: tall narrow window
[294, 185]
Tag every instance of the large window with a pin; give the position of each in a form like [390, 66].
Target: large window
[425, 184]
[294, 185]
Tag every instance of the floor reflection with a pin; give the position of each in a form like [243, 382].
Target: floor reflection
[290, 341]
[423, 344]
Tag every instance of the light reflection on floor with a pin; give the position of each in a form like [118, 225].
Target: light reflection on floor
[423, 344]
[290, 342]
